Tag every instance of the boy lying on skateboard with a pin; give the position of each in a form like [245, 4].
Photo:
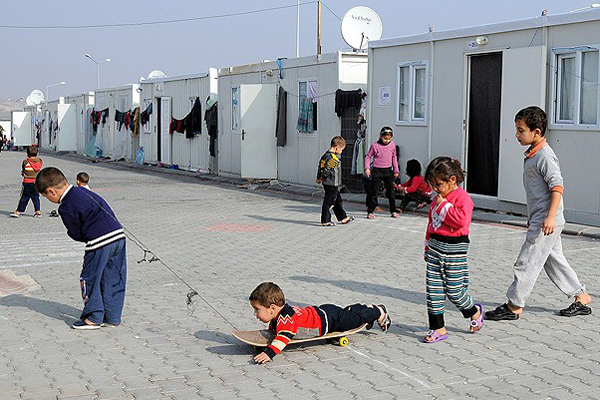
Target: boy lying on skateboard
[288, 322]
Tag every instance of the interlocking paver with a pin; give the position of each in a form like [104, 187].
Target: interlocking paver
[223, 241]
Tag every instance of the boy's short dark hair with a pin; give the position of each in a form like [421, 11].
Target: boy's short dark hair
[83, 177]
[49, 177]
[534, 117]
[386, 131]
[338, 141]
[32, 151]
[413, 168]
[268, 293]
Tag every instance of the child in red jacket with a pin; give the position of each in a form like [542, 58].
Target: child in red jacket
[416, 188]
[29, 170]
[447, 243]
[288, 322]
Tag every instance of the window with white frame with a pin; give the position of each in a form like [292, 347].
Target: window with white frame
[235, 108]
[575, 87]
[412, 92]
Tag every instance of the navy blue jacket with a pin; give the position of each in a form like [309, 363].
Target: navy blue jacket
[88, 218]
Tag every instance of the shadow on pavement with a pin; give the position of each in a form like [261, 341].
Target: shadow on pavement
[48, 308]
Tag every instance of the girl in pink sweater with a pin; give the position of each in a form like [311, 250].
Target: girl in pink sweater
[446, 246]
[385, 168]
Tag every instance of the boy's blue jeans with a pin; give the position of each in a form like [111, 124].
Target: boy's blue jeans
[28, 192]
[103, 279]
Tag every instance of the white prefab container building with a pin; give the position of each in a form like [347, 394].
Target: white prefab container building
[174, 97]
[456, 93]
[248, 102]
[82, 105]
[113, 139]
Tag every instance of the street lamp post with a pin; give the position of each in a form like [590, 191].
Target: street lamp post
[49, 86]
[98, 66]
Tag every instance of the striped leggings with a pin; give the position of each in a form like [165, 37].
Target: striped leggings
[447, 275]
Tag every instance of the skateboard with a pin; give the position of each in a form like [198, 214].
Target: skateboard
[262, 338]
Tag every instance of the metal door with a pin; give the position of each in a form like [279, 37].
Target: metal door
[22, 132]
[67, 124]
[258, 106]
[165, 136]
[523, 85]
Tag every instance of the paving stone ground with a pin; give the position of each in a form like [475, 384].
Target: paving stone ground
[223, 241]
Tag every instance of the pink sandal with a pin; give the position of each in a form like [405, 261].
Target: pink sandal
[435, 337]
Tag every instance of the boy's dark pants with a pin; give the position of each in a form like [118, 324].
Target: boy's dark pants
[332, 199]
[344, 319]
[28, 192]
[102, 281]
[387, 176]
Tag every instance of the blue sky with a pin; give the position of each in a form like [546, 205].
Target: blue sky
[36, 58]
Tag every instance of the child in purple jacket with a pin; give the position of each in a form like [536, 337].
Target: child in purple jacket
[385, 168]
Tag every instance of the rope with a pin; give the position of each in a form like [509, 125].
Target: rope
[191, 294]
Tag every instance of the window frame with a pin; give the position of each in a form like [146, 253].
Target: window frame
[559, 54]
[413, 66]
[307, 80]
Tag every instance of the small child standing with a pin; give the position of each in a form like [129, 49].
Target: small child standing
[268, 302]
[29, 171]
[88, 218]
[447, 243]
[542, 248]
[83, 180]
[329, 173]
[385, 168]
[416, 188]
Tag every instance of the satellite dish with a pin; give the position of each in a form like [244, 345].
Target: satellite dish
[36, 96]
[29, 102]
[361, 25]
[156, 74]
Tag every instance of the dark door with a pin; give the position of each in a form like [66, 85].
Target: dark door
[349, 133]
[484, 124]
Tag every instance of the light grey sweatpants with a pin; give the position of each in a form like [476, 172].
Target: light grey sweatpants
[542, 251]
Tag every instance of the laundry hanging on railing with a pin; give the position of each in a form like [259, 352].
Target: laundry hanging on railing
[96, 117]
[191, 125]
[135, 122]
[305, 116]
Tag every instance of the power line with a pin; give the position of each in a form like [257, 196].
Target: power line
[172, 21]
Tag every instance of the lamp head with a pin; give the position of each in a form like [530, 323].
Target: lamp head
[108, 60]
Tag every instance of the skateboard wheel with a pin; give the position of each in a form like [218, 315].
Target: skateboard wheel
[343, 341]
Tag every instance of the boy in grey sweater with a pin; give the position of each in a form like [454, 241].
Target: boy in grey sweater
[542, 248]
[329, 174]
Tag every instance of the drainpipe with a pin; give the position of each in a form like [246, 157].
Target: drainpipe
[430, 105]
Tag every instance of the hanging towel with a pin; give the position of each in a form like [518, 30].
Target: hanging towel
[312, 91]
[211, 116]
[177, 125]
[145, 115]
[347, 98]
[193, 124]
[305, 116]
[281, 125]
[135, 126]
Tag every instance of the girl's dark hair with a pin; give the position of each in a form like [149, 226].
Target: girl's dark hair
[386, 130]
[413, 168]
[443, 168]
